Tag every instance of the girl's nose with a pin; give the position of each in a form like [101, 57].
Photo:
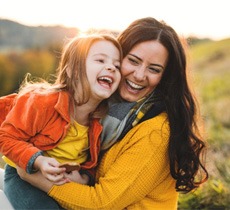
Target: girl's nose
[110, 68]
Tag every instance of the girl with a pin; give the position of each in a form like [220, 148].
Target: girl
[49, 124]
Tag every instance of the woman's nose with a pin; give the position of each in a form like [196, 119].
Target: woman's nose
[139, 74]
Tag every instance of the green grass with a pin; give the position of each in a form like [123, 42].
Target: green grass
[2, 163]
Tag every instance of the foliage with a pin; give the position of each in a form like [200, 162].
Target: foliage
[213, 195]
[7, 75]
[14, 66]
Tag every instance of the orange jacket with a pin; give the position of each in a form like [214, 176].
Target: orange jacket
[38, 122]
[6, 102]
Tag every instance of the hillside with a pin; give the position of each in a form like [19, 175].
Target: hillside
[15, 36]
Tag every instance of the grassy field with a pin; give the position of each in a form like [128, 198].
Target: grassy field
[209, 63]
[1, 162]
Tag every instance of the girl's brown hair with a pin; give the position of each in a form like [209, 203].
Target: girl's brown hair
[71, 72]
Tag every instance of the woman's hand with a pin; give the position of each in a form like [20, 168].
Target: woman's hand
[36, 179]
[75, 176]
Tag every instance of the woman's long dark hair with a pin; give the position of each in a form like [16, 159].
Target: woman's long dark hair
[185, 143]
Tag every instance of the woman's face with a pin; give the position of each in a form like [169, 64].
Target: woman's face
[142, 69]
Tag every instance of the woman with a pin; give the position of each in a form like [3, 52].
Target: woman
[161, 155]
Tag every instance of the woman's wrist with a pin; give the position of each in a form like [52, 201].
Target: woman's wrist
[85, 179]
[90, 176]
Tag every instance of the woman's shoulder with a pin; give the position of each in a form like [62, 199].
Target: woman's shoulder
[156, 127]
[154, 130]
[151, 134]
[159, 121]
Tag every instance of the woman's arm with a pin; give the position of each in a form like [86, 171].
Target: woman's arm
[130, 170]
[36, 179]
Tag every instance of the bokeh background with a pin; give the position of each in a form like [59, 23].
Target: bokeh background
[32, 34]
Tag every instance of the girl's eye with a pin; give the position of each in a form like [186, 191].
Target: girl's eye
[118, 67]
[100, 60]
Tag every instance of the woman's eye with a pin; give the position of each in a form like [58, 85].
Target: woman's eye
[154, 70]
[133, 61]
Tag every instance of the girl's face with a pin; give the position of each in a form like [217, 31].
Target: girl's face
[142, 70]
[103, 69]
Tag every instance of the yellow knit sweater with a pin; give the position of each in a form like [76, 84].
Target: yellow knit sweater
[133, 174]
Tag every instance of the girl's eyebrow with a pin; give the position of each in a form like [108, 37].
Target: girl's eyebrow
[151, 64]
[99, 53]
[104, 55]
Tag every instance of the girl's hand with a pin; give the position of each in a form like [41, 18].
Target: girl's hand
[50, 169]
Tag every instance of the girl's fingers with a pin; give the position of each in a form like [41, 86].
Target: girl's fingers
[55, 178]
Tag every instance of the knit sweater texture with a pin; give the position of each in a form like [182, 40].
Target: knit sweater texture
[133, 174]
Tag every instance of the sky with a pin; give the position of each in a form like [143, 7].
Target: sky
[200, 18]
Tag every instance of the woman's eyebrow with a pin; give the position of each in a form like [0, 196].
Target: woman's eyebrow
[151, 64]
[135, 56]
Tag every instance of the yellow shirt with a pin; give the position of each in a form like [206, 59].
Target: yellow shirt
[73, 148]
[133, 174]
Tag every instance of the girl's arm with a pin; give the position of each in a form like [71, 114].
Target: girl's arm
[28, 129]
[19, 127]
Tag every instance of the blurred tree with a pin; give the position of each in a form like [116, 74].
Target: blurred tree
[39, 63]
[7, 75]
[14, 66]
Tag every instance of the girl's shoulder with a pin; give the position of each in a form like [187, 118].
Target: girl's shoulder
[6, 103]
[33, 102]
[40, 99]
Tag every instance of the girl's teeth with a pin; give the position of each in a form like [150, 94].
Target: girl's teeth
[107, 79]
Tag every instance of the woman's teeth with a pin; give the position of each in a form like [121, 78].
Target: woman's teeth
[134, 86]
